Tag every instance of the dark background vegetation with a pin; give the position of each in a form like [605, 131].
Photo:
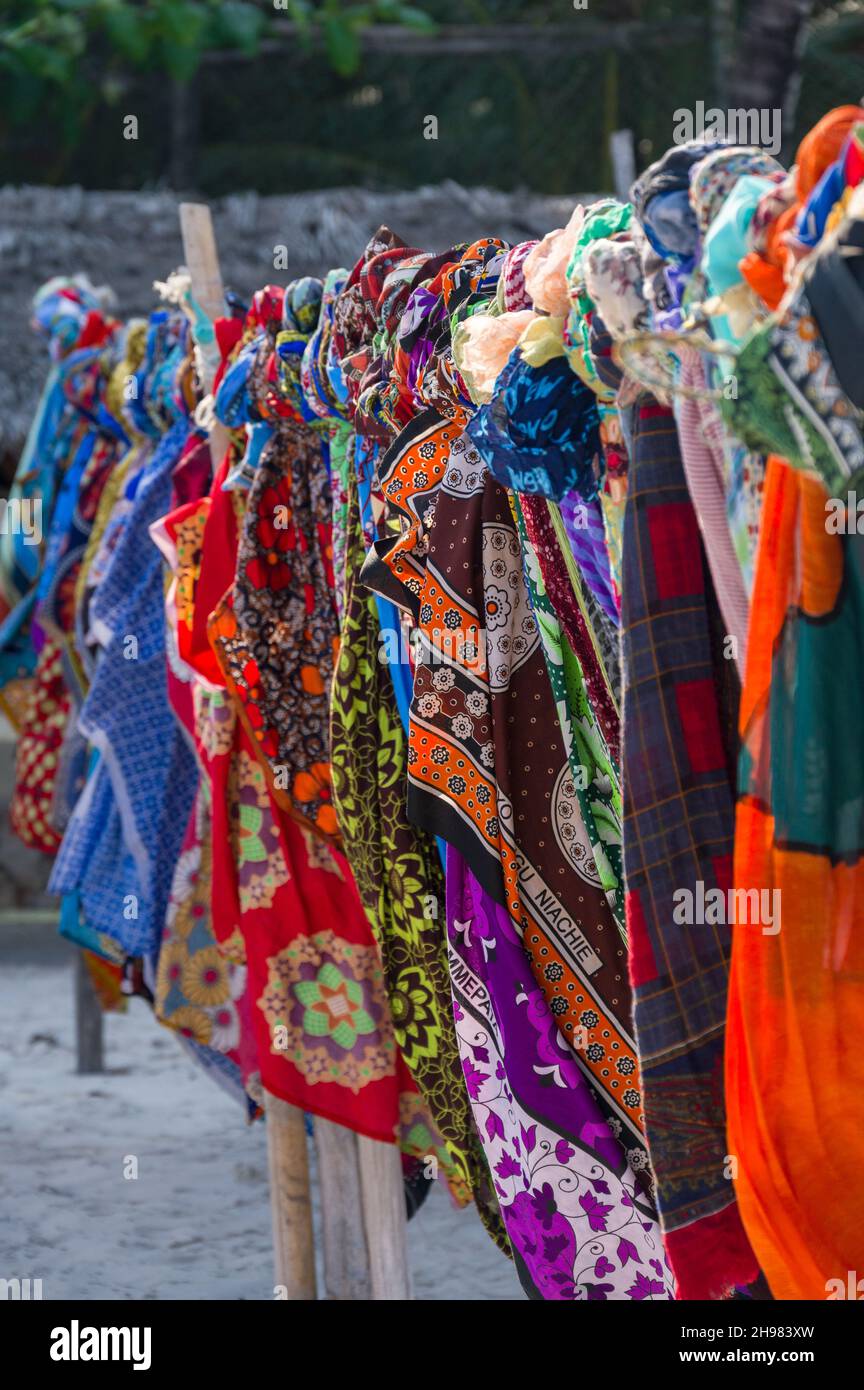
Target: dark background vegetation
[229, 98]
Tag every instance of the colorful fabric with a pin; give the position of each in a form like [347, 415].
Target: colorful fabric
[106, 978]
[700, 435]
[276, 633]
[198, 991]
[399, 879]
[284, 906]
[678, 833]
[125, 832]
[791, 401]
[39, 741]
[540, 432]
[486, 752]
[580, 1227]
[563, 583]
[587, 536]
[793, 1060]
[595, 777]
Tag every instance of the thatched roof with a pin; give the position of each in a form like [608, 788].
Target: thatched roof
[128, 240]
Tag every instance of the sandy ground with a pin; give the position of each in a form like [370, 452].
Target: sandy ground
[195, 1224]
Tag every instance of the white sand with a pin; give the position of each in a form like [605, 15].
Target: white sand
[196, 1222]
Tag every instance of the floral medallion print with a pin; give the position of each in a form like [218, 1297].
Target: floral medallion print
[323, 1010]
[261, 867]
[197, 987]
[214, 721]
[333, 1007]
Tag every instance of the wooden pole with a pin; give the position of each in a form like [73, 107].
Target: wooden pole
[88, 1021]
[384, 1216]
[202, 262]
[202, 259]
[346, 1260]
[291, 1210]
[623, 159]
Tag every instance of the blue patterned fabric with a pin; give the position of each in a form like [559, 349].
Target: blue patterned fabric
[125, 834]
[540, 432]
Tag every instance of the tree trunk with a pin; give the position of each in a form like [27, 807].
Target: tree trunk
[765, 74]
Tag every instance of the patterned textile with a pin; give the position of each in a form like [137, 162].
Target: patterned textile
[124, 835]
[341, 463]
[587, 535]
[106, 978]
[284, 906]
[66, 442]
[276, 633]
[540, 432]
[678, 830]
[38, 749]
[564, 587]
[790, 400]
[579, 1226]
[715, 176]
[15, 699]
[61, 775]
[595, 777]
[67, 313]
[488, 771]
[795, 1067]
[399, 878]
[198, 991]
[603, 219]
[700, 435]
[613, 281]
[410, 473]
[115, 502]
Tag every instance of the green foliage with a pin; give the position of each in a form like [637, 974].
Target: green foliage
[323, 110]
[46, 45]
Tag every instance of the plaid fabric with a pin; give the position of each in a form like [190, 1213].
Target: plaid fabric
[678, 832]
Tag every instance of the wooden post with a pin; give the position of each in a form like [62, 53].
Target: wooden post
[88, 1020]
[293, 1240]
[623, 162]
[384, 1216]
[346, 1260]
[202, 262]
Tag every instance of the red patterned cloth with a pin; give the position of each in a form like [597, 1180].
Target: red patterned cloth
[314, 1014]
[39, 742]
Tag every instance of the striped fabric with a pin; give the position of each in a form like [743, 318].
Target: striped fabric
[700, 431]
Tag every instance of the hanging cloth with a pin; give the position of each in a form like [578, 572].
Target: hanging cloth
[794, 1065]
